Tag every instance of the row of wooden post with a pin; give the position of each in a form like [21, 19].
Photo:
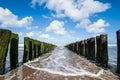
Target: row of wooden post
[88, 49]
[96, 49]
[32, 49]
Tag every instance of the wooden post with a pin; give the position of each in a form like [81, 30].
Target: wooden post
[104, 50]
[73, 47]
[34, 50]
[14, 51]
[86, 48]
[30, 50]
[69, 46]
[82, 48]
[42, 47]
[39, 50]
[98, 54]
[118, 51]
[79, 48]
[88, 40]
[92, 48]
[26, 49]
[4, 42]
[90, 51]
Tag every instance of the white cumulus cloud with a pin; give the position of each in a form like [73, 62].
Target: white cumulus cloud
[74, 9]
[20, 33]
[95, 27]
[44, 36]
[37, 34]
[30, 34]
[8, 19]
[56, 27]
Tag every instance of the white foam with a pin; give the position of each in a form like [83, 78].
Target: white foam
[60, 59]
[21, 45]
[83, 72]
[112, 45]
[9, 76]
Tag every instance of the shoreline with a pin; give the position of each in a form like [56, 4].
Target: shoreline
[59, 64]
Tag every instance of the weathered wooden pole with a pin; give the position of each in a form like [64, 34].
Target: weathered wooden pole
[92, 48]
[39, 49]
[77, 47]
[80, 47]
[26, 49]
[42, 47]
[88, 40]
[35, 50]
[86, 48]
[70, 46]
[30, 50]
[98, 54]
[14, 51]
[4, 42]
[118, 51]
[104, 50]
[90, 51]
[73, 45]
[83, 48]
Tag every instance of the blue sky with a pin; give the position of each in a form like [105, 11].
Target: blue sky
[61, 21]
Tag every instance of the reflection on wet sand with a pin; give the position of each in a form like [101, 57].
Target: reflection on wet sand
[30, 74]
[60, 64]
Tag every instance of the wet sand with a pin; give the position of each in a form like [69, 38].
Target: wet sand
[60, 64]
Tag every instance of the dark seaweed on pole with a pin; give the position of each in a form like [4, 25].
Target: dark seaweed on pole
[4, 42]
[14, 51]
[34, 48]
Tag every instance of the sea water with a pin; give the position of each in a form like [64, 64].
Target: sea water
[20, 57]
[112, 52]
